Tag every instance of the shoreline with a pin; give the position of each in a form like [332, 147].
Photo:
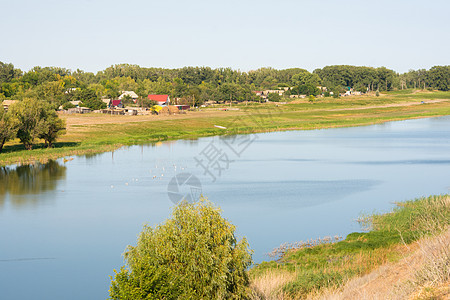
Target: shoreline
[413, 233]
[97, 134]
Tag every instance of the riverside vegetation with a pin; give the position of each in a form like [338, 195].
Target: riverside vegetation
[195, 255]
[323, 270]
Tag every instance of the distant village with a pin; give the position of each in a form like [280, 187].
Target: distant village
[127, 103]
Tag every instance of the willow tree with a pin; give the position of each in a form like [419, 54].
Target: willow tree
[193, 255]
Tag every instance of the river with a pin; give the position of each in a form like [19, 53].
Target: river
[65, 224]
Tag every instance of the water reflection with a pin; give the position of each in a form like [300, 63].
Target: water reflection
[20, 184]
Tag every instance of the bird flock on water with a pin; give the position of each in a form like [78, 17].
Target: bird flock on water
[159, 172]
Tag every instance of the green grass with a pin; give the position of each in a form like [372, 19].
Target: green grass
[252, 118]
[332, 264]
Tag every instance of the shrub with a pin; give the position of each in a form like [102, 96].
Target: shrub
[193, 255]
[274, 97]
[68, 105]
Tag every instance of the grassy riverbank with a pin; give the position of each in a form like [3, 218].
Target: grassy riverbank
[93, 133]
[325, 269]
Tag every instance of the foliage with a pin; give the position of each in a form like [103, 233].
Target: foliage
[127, 100]
[146, 103]
[7, 127]
[50, 126]
[35, 119]
[305, 89]
[438, 77]
[306, 78]
[274, 97]
[322, 265]
[193, 255]
[200, 84]
[352, 76]
[90, 99]
[27, 114]
[68, 105]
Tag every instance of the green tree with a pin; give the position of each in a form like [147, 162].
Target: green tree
[193, 255]
[274, 97]
[438, 77]
[26, 114]
[127, 100]
[68, 105]
[6, 72]
[306, 89]
[7, 128]
[145, 102]
[306, 78]
[90, 99]
[50, 126]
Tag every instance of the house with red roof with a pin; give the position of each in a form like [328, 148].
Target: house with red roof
[117, 103]
[160, 99]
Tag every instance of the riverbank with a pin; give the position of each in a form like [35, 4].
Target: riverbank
[405, 254]
[95, 133]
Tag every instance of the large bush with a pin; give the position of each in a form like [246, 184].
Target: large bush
[193, 255]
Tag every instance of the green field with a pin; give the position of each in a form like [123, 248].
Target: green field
[99, 134]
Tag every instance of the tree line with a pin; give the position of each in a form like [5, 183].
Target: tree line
[199, 84]
[29, 120]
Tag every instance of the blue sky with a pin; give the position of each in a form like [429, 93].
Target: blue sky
[94, 34]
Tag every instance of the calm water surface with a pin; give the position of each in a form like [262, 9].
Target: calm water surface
[63, 226]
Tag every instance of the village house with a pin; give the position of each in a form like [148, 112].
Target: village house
[7, 103]
[117, 103]
[75, 103]
[78, 110]
[132, 111]
[107, 102]
[279, 92]
[131, 94]
[160, 99]
[183, 107]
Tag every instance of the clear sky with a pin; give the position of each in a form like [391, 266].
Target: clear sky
[94, 34]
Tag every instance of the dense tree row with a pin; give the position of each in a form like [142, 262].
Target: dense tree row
[198, 84]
